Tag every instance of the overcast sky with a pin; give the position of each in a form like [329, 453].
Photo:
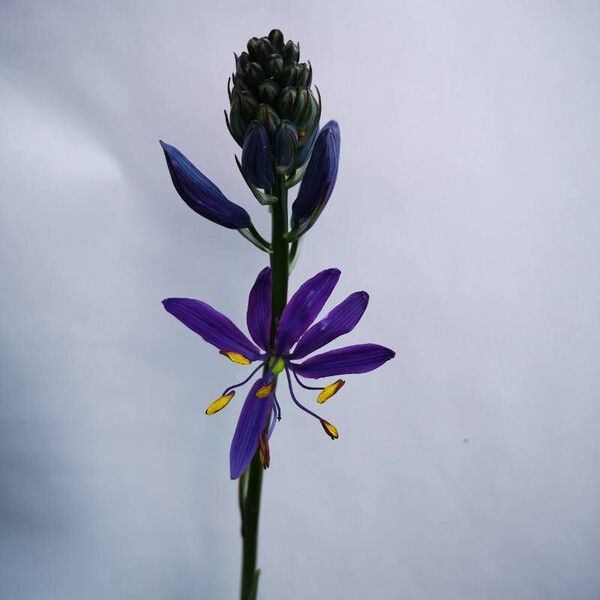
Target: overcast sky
[467, 204]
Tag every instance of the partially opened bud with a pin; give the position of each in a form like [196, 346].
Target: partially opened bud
[256, 157]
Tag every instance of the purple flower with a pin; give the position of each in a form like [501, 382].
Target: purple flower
[296, 338]
[201, 194]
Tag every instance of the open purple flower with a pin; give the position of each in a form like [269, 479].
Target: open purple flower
[296, 338]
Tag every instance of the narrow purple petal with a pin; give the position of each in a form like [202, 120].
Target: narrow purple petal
[361, 358]
[201, 194]
[213, 326]
[251, 423]
[258, 316]
[342, 319]
[303, 308]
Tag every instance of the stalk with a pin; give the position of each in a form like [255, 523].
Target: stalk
[251, 482]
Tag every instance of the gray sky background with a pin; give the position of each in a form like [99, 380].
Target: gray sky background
[467, 205]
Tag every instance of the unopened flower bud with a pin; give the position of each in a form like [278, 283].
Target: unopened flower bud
[256, 158]
[268, 117]
[268, 91]
[276, 39]
[291, 52]
[284, 146]
[255, 73]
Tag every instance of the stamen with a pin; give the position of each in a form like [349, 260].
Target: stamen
[277, 408]
[330, 429]
[236, 357]
[265, 390]
[263, 450]
[237, 385]
[219, 403]
[306, 387]
[306, 410]
[330, 390]
[273, 420]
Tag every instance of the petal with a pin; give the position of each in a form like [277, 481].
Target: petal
[342, 319]
[213, 326]
[256, 157]
[258, 316]
[201, 194]
[361, 358]
[251, 423]
[303, 308]
[319, 180]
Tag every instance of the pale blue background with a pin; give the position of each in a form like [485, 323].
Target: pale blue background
[467, 205]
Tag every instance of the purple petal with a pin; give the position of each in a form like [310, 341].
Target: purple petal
[303, 308]
[361, 358]
[213, 326]
[251, 423]
[201, 194]
[342, 319]
[258, 316]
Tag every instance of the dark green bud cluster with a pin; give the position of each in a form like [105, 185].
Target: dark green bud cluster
[272, 87]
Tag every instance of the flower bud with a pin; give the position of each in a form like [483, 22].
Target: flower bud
[275, 65]
[254, 73]
[319, 179]
[256, 157]
[241, 63]
[268, 91]
[306, 144]
[201, 194]
[237, 124]
[263, 50]
[303, 76]
[291, 52]
[252, 47]
[284, 146]
[286, 102]
[248, 104]
[288, 75]
[268, 117]
[276, 39]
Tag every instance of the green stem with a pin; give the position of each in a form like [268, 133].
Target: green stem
[251, 481]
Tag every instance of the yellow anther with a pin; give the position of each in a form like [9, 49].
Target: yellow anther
[220, 403]
[265, 390]
[236, 357]
[330, 429]
[330, 390]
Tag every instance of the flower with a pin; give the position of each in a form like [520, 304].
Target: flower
[201, 194]
[296, 338]
[319, 180]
